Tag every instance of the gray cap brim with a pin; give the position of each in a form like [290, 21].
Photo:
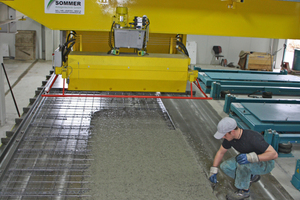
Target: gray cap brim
[219, 135]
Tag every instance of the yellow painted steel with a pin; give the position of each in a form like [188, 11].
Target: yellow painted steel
[121, 16]
[97, 41]
[149, 73]
[253, 18]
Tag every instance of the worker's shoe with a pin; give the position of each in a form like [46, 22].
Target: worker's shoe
[238, 195]
[254, 178]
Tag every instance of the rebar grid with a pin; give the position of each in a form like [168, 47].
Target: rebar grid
[53, 156]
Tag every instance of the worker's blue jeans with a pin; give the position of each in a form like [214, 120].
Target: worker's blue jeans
[242, 173]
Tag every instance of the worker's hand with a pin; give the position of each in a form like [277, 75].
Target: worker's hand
[213, 174]
[247, 158]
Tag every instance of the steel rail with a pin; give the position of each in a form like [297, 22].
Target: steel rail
[12, 142]
[29, 171]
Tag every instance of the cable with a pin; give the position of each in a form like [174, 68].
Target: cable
[182, 46]
[249, 95]
[179, 37]
[71, 33]
[110, 38]
[146, 35]
[66, 50]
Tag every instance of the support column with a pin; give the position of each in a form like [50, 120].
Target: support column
[51, 42]
[2, 94]
[278, 51]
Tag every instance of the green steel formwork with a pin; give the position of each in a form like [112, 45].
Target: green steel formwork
[246, 79]
[296, 177]
[263, 116]
[199, 69]
[233, 99]
[217, 89]
[274, 138]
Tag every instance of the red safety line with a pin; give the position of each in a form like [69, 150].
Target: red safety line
[64, 86]
[199, 87]
[122, 96]
[191, 89]
[126, 96]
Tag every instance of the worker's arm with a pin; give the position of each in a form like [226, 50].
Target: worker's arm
[219, 156]
[214, 169]
[252, 157]
[269, 154]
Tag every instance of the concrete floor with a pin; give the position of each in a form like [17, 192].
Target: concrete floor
[27, 76]
[24, 77]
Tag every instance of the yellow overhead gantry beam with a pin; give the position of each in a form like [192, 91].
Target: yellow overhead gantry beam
[252, 18]
[154, 72]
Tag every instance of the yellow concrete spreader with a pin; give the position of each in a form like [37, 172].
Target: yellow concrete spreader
[128, 72]
[137, 71]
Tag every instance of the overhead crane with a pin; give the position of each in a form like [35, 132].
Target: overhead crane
[49, 153]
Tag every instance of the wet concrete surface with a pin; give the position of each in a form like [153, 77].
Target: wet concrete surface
[137, 156]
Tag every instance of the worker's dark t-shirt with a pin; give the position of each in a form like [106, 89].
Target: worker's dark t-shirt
[250, 141]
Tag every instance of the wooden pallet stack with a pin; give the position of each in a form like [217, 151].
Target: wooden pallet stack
[25, 45]
[255, 61]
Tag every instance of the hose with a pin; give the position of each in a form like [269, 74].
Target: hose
[182, 46]
[145, 36]
[251, 94]
[66, 50]
[110, 38]
[69, 35]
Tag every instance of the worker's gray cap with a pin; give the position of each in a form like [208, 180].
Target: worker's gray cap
[226, 125]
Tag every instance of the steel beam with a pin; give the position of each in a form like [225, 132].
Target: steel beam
[2, 94]
[217, 88]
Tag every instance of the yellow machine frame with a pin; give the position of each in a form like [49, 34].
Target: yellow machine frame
[253, 18]
[152, 73]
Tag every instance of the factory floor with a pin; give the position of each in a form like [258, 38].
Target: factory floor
[27, 76]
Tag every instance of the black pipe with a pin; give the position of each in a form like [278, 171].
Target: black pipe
[12, 94]
[182, 46]
[65, 47]
[71, 33]
[110, 38]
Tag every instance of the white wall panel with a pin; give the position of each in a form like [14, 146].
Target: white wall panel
[9, 39]
[2, 93]
[231, 47]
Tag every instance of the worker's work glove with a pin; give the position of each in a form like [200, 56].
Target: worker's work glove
[247, 158]
[213, 174]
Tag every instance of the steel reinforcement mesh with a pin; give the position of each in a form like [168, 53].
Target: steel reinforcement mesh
[54, 155]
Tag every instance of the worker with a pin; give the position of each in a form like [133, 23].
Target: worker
[256, 157]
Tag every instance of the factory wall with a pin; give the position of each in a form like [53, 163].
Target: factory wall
[28, 24]
[52, 40]
[46, 40]
[232, 46]
[32, 25]
[7, 39]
